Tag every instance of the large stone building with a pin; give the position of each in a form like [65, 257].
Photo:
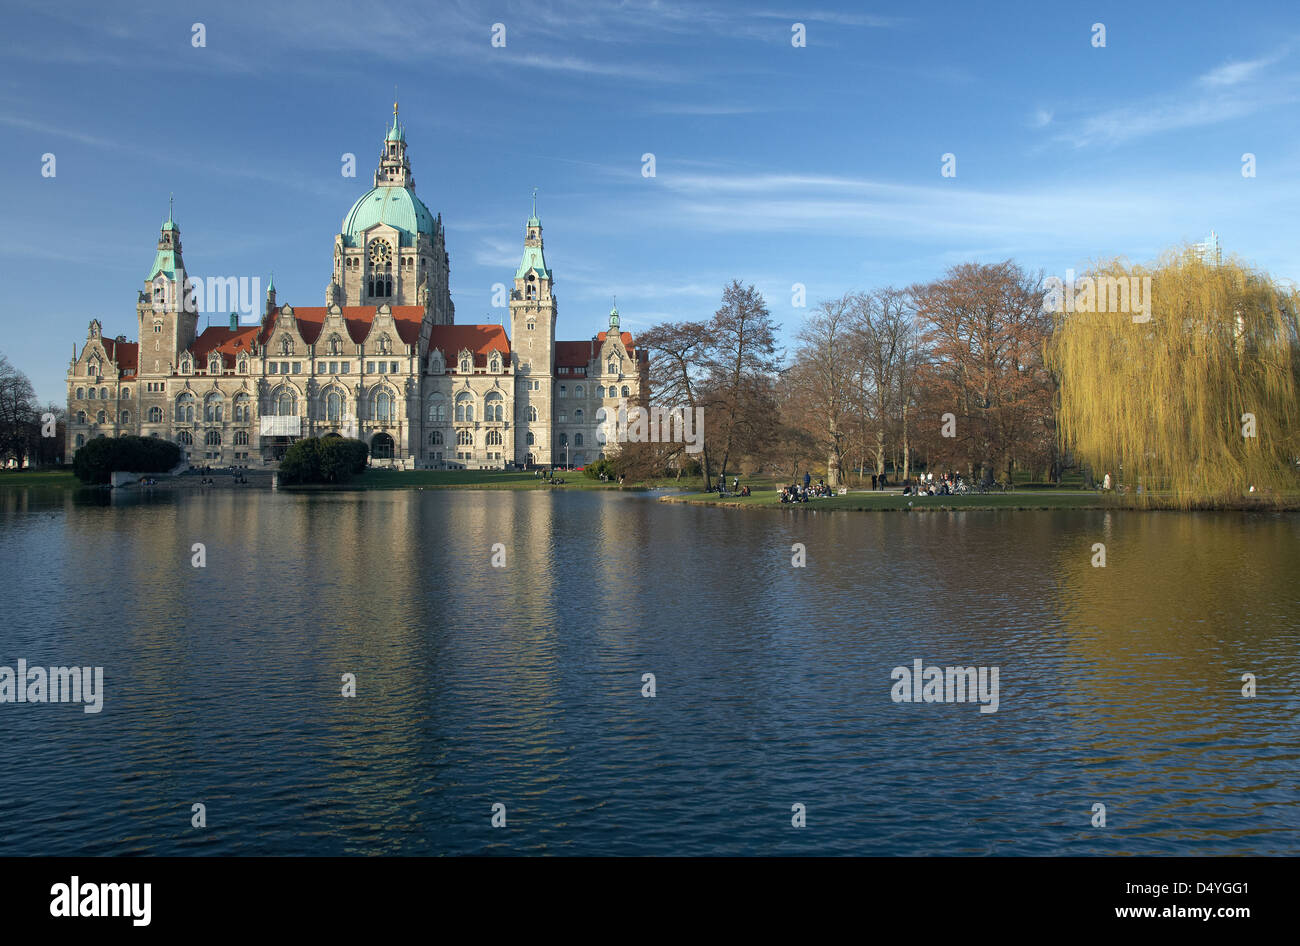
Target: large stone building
[383, 360]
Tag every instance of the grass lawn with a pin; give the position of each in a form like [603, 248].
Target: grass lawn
[1026, 499]
[60, 478]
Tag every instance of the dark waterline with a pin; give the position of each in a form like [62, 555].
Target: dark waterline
[522, 685]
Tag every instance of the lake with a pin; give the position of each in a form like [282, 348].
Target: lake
[523, 685]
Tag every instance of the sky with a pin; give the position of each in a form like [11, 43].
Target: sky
[774, 163]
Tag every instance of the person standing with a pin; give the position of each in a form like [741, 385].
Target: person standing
[807, 479]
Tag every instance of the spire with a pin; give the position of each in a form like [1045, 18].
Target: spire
[533, 221]
[270, 289]
[613, 318]
[170, 223]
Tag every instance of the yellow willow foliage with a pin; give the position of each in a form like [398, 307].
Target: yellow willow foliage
[1170, 403]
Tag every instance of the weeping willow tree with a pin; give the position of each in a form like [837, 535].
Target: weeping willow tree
[1188, 390]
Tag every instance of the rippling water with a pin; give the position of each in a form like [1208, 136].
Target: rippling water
[522, 685]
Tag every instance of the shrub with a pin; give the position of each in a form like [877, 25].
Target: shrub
[598, 467]
[328, 460]
[97, 460]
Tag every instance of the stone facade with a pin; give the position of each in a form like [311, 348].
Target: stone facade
[383, 360]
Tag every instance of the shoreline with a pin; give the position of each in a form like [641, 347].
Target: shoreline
[1023, 501]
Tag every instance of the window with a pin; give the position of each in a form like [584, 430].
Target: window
[577, 440]
[243, 409]
[81, 440]
[284, 402]
[241, 438]
[437, 408]
[466, 366]
[91, 395]
[214, 408]
[126, 417]
[273, 368]
[564, 391]
[564, 440]
[564, 418]
[333, 405]
[532, 413]
[383, 367]
[494, 438]
[531, 438]
[214, 364]
[464, 438]
[613, 367]
[577, 416]
[185, 438]
[577, 391]
[297, 367]
[464, 406]
[385, 408]
[213, 438]
[126, 394]
[185, 409]
[344, 367]
[626, 393]
[392, 367]
[155, 415]
[81, 417]
[494, 407]
[435, 438]
[600, 391]
[157, 328]
[370, 367]
[81, 394]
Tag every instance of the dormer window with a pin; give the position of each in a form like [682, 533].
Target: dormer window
[465, 365]
[613, 367]
[495, 363]
[214, 364]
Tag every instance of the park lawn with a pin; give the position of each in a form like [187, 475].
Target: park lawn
[887, 501]
[56, 478]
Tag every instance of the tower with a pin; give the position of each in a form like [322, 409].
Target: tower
[532, 339]
[390, 246]
[167, 313]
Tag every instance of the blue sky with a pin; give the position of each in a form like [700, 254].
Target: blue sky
[774, 164]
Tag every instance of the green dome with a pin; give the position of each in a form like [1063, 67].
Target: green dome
[396, 206]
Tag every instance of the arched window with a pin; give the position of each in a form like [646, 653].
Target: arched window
[185, 409]
[613, 367]
[494, 363]
[600, 391]
[464, 406]
[494, 407]
[437, 408]
[494, 438]
[92, 369]
[385, 409]
[241, 438]
[532, 413]
[577, 440]
[284, 402]
[81, 394]
[466, 364]
[577, 416]
[81, 417]
[464, 438]
[214, 407]
[126, 417]
[213, 438]
[333, 405]
[91, 395]
[626, 392]
[81, 440]
[531, 438]
[435, 438]
[564, 391]
[214, 363]
[243, 409]
[577, 390]
[126, 394]
[101, 417]
[155, 415]
[185, 438]
[564, 440]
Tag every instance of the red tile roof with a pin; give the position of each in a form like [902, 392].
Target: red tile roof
[575, 354]
[221, 339]
[357, 318]
[126, 355]
[479, 339]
